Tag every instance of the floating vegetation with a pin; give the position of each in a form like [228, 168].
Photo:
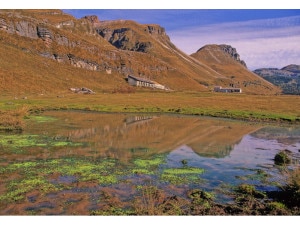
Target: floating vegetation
[146, 163]
[17, 189]
[16, 141]
[182, 175]
[37, 175]
[259, 175]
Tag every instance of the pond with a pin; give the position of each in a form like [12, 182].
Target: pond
[74, 162]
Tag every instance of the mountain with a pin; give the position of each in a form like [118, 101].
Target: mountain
[287, 78]
[49, 51]
[233, 71]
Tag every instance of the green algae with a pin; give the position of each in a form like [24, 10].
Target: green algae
[148, 166]
[142, 171]
[18, 141]
[17, 189]
[38, 175]
[146, 163]
[182, 175]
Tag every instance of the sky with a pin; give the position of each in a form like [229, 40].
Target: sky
[264, 35]
[263, 38]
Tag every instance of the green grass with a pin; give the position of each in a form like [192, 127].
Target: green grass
[257, 108]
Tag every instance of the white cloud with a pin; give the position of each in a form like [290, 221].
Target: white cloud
[261, 43]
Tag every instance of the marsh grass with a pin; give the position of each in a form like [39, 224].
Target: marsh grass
[13, 119]
[253, 108]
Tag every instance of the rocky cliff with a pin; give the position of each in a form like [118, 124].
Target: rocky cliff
[128, 35]
[233, 53]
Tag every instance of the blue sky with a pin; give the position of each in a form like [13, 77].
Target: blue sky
[265, 34]
[263, 38]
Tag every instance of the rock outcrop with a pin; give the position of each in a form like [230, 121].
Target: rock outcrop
[124, 38]
[92, 19]
[233, 53]
[45, 34]
[122, 35]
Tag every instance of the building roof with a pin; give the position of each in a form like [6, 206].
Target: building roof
[141, 79]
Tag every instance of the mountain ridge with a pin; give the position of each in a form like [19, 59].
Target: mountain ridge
[225, 60]
[287, 78]
[112, 49]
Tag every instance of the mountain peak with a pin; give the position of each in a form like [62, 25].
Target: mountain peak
[233, 72]
[92, 18]
[228, 49]
[292, 68]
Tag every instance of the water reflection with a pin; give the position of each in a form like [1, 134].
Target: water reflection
[122, 135]
[91, 152]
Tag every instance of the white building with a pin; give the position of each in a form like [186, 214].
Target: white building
[227, 89]
[142, 82]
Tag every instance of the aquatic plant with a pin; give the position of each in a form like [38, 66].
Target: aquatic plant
[17, 141]
[153, 162]
[282, 158]
[181, 175]
[18, 188]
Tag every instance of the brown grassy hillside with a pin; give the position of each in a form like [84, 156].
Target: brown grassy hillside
[233, 71]
[23, 72]
[49, 51]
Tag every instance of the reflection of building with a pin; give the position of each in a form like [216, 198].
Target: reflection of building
[227, 89]
[142, 82]
[137, 119]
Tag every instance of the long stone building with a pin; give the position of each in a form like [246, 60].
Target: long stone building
[227, 89]
[142, 82]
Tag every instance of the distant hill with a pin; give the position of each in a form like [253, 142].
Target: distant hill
[233, 71]
[287, 78]
[48, 51]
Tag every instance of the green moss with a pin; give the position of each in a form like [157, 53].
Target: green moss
[182, 175]
[183, 171]
[145, 163]
[18, 141]
[100, 178]
[18, 188]
[249, 190]
[276, 206]
[142, 171]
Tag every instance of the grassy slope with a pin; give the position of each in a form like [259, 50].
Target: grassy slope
[233, 71]
[38, 75]
[183, 73]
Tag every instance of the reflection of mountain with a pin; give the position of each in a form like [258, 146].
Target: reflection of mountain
[284, 135]
[120, 136]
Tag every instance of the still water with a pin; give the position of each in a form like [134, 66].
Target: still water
[65, 162]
